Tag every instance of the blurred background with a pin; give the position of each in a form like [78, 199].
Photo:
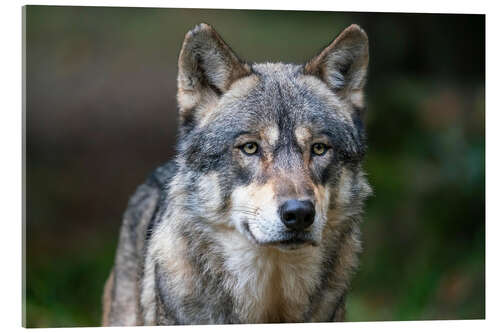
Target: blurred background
[101, 115]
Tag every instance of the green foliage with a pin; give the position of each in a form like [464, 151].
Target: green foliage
[66, 289]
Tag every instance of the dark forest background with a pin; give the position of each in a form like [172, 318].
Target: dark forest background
[101, 114]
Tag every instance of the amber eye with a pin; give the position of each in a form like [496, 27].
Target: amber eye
[319, 149]
[250, 148]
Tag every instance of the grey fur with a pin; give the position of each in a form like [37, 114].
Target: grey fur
[201, 241]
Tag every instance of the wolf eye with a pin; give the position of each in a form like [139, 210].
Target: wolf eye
[250, 148]
[319, 149]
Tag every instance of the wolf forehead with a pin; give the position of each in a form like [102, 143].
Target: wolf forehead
[278, 100]
[282, 94]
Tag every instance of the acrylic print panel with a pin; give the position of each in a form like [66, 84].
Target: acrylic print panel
[102, 114]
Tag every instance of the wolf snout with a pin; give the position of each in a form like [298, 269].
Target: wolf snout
[297, 214]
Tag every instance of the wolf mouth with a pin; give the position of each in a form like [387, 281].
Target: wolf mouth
[288, 240]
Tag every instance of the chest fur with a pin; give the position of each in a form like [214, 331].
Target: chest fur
[270, 285]
[265, 284]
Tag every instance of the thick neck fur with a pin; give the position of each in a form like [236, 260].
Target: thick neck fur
[268, 284]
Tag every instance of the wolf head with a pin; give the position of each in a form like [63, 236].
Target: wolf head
[272, 151]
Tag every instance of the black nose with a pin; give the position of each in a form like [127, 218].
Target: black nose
[297, 215]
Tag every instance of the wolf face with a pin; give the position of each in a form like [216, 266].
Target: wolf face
[271, 148]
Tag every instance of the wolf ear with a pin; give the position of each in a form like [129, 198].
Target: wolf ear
[207, 67]
[343, 64]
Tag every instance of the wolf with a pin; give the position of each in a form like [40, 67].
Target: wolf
[257, 217]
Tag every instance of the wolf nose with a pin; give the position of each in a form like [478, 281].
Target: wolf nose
[297, 215]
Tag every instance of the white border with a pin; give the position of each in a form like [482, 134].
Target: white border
[423, 6]
[11, 143]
